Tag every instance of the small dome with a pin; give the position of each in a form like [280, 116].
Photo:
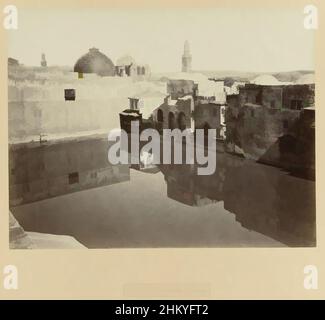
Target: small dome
[125, 61]
[266, 80]
[306, 79]
[95, 62]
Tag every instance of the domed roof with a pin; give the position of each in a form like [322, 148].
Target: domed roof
[95, 62]
[266, 80]
[308, 78]
[125, 61]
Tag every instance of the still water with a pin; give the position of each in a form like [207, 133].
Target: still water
[69, 188]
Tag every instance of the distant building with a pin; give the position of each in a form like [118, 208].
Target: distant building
[186, 58]
[294, 97]
[13, 62]
[178, 88]
[43, 60]
[127, 67]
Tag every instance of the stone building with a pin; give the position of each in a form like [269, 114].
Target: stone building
[260, 115]
[174, 113]
[178, 88]
[126, 66]
[211, 115]
[294, 97]
[200, 105]
[59, 103]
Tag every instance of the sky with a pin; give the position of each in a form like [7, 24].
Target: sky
[220, 39]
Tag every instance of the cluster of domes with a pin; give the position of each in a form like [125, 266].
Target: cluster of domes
[269, 80]
[96, 62]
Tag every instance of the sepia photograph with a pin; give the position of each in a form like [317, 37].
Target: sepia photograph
[150, 128]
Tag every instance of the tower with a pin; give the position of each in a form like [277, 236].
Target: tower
[186, 58]
[43, 61]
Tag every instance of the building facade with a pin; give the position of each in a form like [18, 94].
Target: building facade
[172, 114]
[261, 118]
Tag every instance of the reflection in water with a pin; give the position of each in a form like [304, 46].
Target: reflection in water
[262, 198]
[242, 204]
[42, 171]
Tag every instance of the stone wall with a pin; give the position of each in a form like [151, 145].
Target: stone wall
[37, 104]
[172, 113]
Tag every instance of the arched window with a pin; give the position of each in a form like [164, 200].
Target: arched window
[171, 120]
[181, 121]
[160, 116]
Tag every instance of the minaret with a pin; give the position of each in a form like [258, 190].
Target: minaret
[186, 58]
[43, 61]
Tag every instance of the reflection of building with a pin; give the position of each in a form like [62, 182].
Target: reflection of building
[186, 186]
[272, 202]
[181, 185]
[40, 172]
[146, 163]
[263, 198]
[186, 58]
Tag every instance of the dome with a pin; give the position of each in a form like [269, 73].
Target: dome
[125, 61]
[308, 78]
[266, 80]
[95, 62]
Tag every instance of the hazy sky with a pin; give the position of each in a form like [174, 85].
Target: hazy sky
[220, 39]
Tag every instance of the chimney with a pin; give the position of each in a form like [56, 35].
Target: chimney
[167, 99]
[134, 103]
